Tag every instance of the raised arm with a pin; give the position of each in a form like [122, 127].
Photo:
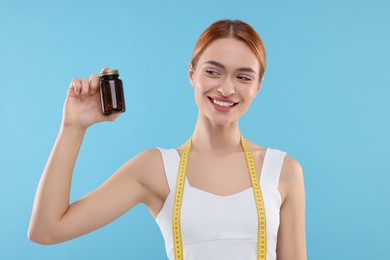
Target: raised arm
[291, 243]
[53, 219]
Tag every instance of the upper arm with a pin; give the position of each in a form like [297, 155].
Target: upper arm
[291, 236]
[119, 193]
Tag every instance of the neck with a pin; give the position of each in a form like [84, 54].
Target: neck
[209, 137]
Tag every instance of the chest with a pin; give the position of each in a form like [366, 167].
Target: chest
[209, 219]
[221, 175]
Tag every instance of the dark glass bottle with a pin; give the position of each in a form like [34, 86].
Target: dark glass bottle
[111, 92]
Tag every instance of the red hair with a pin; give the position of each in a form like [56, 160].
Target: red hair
[231, 29]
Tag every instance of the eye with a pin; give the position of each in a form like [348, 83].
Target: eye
[211, 72]
[244, 78]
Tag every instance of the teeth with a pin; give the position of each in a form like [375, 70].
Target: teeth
[223, 104]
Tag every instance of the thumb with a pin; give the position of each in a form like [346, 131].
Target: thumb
[105, 68]
[111, 117]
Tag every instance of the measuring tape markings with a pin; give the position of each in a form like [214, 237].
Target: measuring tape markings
[262, 238]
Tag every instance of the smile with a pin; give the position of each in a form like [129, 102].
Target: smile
[222, 106]
[222, 103]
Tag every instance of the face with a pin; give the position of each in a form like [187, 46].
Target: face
[225, 80]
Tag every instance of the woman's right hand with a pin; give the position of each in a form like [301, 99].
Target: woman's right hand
[82, 106]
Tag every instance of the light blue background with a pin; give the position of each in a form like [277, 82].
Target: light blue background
[324, 100]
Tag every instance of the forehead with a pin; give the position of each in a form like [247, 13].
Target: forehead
[231, 52]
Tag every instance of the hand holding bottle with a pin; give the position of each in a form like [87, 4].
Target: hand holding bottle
[82, 107]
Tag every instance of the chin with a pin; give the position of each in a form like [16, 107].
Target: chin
[223, 121]
[218, 118]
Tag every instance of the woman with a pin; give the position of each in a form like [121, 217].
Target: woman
[217, 216]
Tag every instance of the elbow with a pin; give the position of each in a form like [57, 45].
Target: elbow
[41, 238]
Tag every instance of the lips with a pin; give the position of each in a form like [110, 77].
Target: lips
[222, 99]
[222, 104]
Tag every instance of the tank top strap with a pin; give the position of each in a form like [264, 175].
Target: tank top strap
[272, 167]
[171, 160]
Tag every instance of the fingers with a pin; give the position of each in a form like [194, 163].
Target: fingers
[75, 84]
[84, 86]
[105, 68]
[80, 86]
[94, 81]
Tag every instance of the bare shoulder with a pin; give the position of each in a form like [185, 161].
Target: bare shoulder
[291, 176]
[144, 162]
[291, 170]
[147, 159]
[150, 172]
[180, 148]
[255, 147]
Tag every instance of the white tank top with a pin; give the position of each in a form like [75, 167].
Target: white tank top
[222, 227]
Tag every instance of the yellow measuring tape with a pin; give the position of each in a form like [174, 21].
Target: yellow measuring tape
[177, 240]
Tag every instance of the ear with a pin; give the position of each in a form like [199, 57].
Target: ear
[259, 86]
[257, 90]
[191, 74]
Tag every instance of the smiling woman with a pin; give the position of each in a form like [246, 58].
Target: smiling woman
[226, 76]
[217, 196]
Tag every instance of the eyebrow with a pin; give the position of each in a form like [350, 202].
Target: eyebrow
[216, 63]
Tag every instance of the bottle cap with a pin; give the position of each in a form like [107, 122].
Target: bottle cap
[108, 72]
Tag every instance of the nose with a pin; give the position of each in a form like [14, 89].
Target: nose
[226, 88]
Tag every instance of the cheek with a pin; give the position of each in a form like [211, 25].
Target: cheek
[252, 94]
[205, 84]
[253, 91]
[248, 93]
[202, 88]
